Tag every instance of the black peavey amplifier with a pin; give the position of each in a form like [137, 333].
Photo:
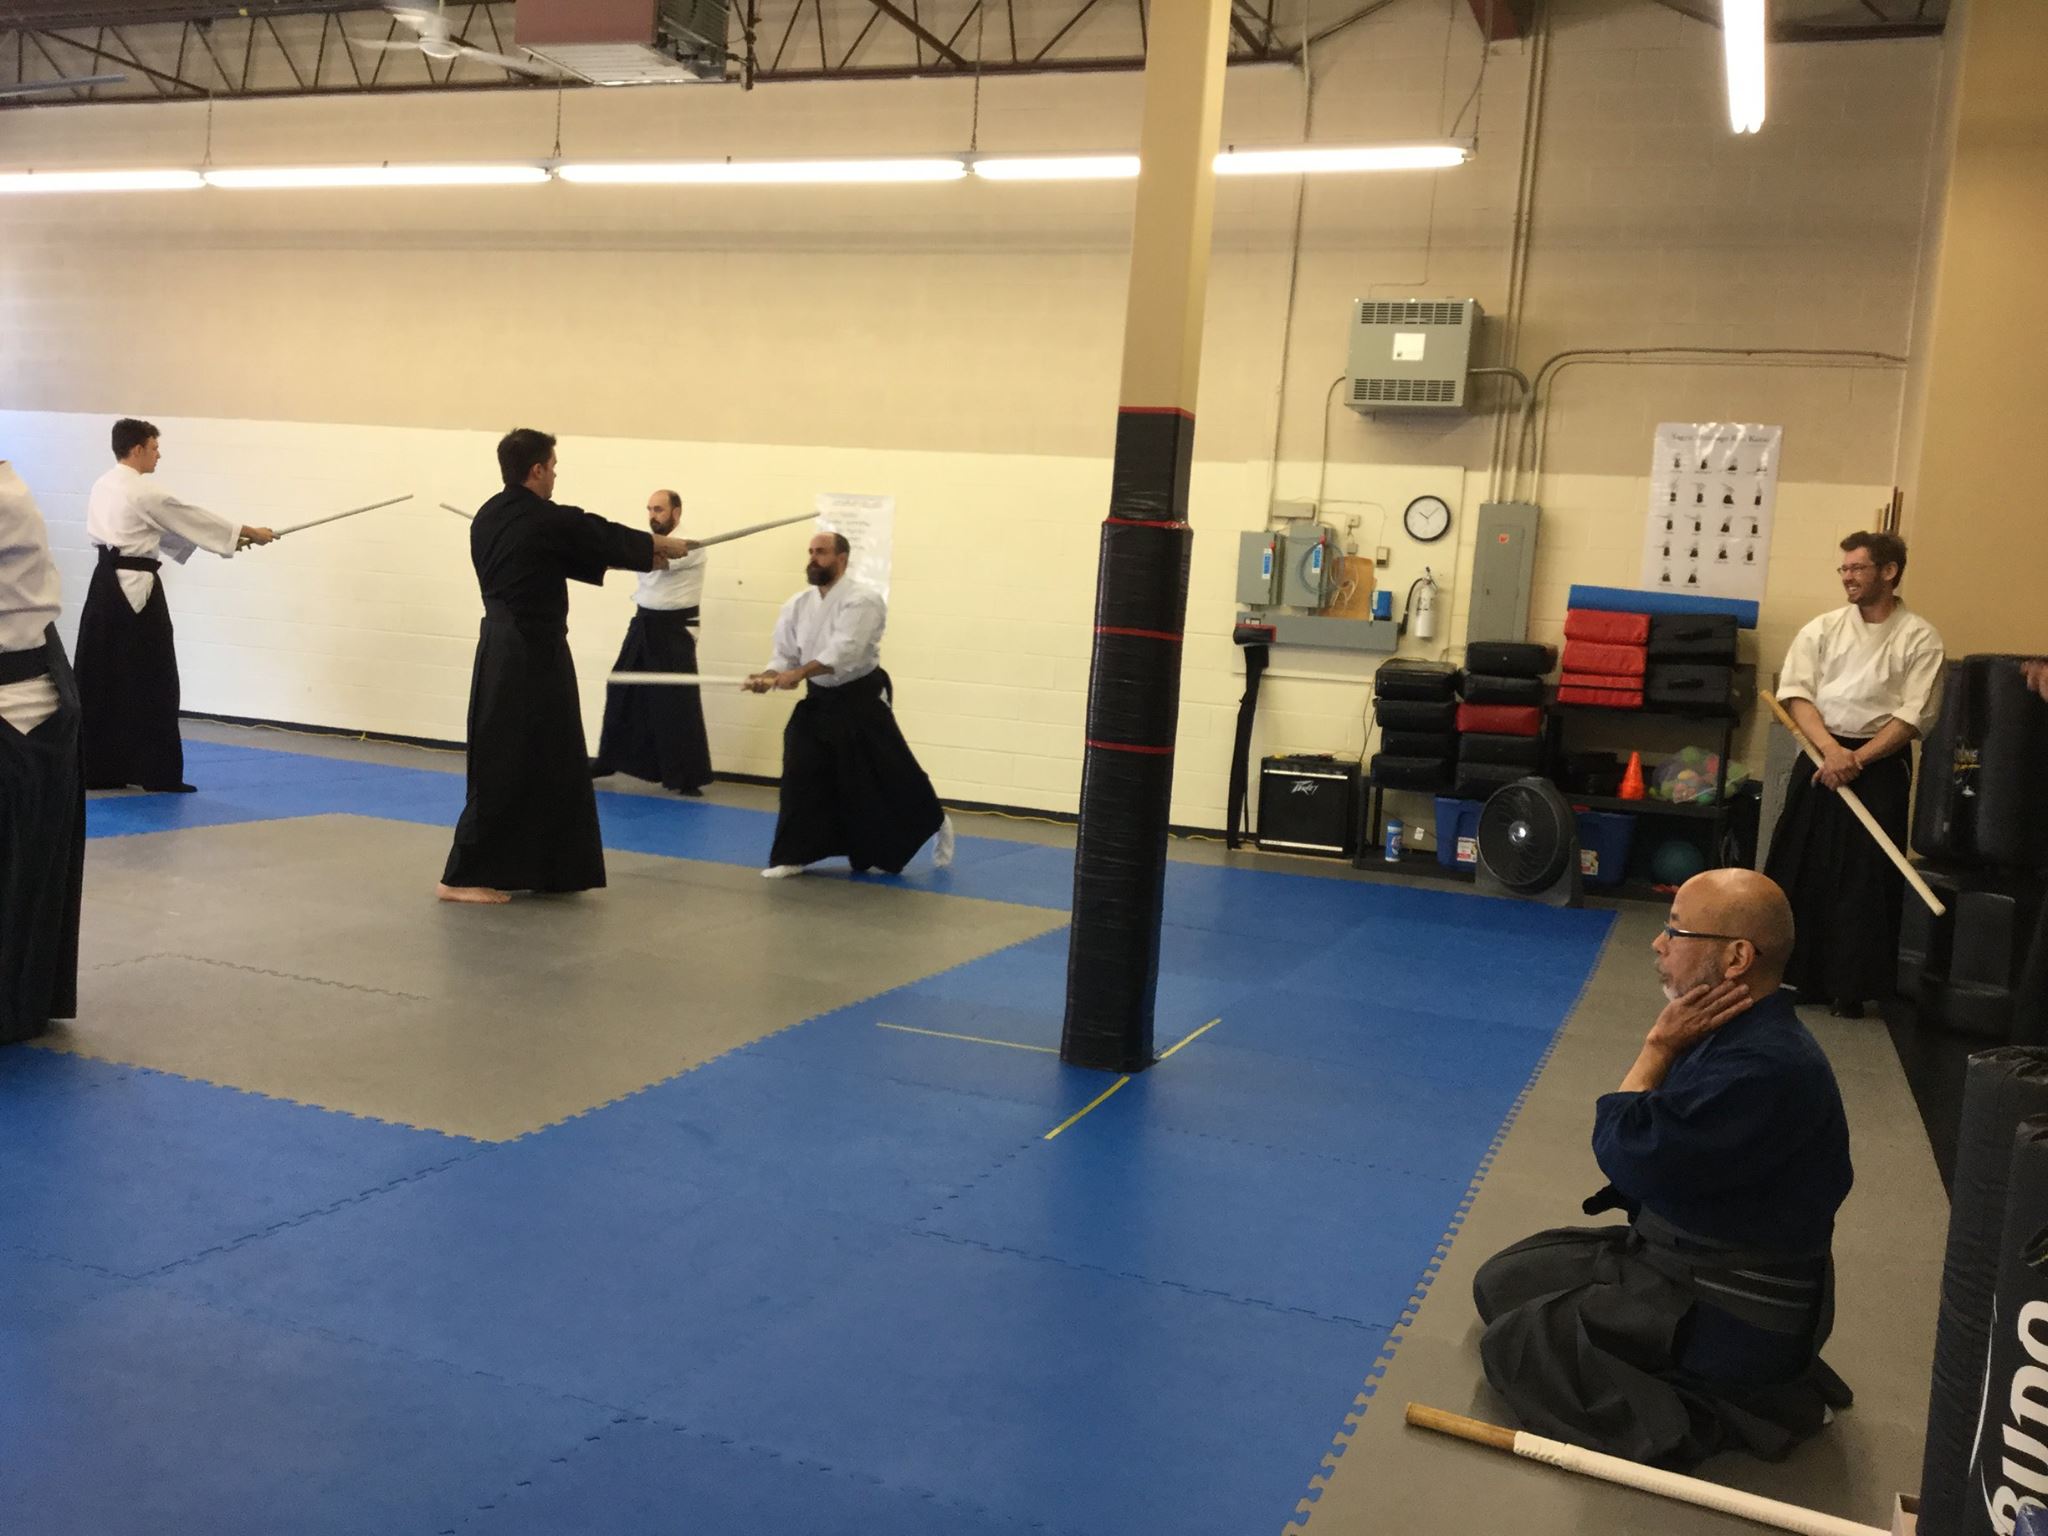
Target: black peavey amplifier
[1307, 805]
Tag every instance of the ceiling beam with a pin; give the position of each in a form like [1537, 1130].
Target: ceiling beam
[1502, 21]
[1818, 32]
[924, 34]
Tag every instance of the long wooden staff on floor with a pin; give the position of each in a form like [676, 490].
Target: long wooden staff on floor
[1855, 803]
[1633, 1474]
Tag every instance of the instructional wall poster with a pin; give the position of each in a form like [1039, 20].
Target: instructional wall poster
[1713, 499]
[869, 523]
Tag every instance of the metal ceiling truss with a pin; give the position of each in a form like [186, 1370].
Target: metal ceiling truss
[281, 51]
[777, 40]
[294, 48]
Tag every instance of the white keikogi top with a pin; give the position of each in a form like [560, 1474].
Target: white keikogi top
[842, 628]
[680, 586]
[127, 514]
[28, 599]
[1860, 675]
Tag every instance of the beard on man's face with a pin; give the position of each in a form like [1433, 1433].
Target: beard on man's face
[816, 574]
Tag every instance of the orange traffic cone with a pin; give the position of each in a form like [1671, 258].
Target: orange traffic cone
[1632, 779]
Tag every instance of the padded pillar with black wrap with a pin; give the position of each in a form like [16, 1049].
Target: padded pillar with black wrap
[2010, 1461]
[2002, 1088]
[1142, 577]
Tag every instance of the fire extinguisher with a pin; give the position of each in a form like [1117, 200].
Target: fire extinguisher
[1419, 611]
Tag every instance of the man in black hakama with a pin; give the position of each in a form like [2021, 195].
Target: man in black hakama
[657, 734]
[850, 784]
[1862, 681]
[530, 821]
[42, 791]
[127, 653]
[1696, 1327]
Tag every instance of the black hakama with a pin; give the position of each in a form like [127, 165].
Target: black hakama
[1603, 1338]
[850, 784]
[657, 733]
[1845, 893]
[128, 683]
[1697, 1327]
[530, 821]
[42, 852]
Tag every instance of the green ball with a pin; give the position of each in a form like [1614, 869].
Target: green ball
[1676, 861]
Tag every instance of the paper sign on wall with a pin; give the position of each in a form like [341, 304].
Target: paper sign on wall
[869, 523]
[1713, 501]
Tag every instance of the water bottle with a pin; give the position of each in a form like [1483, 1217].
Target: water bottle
[1392, 853]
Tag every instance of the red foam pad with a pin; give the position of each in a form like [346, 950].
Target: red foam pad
[1614, 660]
[1569, 692]
[1607, 628]
[1501, 719]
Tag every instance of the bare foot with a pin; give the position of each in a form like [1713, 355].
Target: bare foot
[474, 895]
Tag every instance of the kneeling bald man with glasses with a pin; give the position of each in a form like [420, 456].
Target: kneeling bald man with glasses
[1696, 1327]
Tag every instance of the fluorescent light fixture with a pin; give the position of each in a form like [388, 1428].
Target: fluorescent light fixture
[1742, 35]
[99, 181]
[716, 173]
[377, 176]
[1057, 167]
[1310, 159]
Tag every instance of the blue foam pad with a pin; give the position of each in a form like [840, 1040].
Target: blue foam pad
[645, 1476]
[1394, 1121]
[141, 1413]
[131, 1170]
[779, 1132]
[540, 1262]
[1088, 1401]
[1212, 1216]
[1656, 600]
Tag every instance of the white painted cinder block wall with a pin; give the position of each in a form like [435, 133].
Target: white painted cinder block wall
[954, 346]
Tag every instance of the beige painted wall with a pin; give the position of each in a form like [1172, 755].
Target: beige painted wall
[958, 345]
[1979, 562]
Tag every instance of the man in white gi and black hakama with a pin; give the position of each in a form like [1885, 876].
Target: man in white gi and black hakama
[657, 734]
[1863, 681]
[1697, 1326]
[850, 785]
[127, 656]
[42, 793]
[530, 820]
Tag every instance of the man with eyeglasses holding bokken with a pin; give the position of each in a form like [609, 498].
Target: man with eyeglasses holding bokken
[1863, 681]
[1697, 1326]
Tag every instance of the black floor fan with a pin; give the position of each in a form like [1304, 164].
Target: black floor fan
[1529, 845]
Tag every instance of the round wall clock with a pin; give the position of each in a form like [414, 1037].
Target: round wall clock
[1427, 519]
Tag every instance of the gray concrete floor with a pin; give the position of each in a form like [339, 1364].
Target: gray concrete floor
[304, 927]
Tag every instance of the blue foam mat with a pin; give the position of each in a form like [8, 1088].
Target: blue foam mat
[842, 1259]
[138, 1412]
[145, 1169]
[1091, 1401]
[644, 1476]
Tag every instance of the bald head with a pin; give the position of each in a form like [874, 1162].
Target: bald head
[1729, 924]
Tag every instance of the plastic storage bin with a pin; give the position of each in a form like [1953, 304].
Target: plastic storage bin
[1457, 832]
[1604, 838]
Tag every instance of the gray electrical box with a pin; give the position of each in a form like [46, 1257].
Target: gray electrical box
[1410, 354]
[1308, 565]
[1503, 569]
[1258, 569]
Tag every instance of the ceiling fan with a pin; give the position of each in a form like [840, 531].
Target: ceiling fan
[436, 41]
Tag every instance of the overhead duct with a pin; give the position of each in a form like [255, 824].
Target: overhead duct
[627, 42]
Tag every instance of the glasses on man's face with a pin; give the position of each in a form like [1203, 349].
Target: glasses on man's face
[1673, 931]
[1853, 570]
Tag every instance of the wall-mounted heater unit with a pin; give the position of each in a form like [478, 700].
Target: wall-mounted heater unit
[1410, 354]
[627, 42]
